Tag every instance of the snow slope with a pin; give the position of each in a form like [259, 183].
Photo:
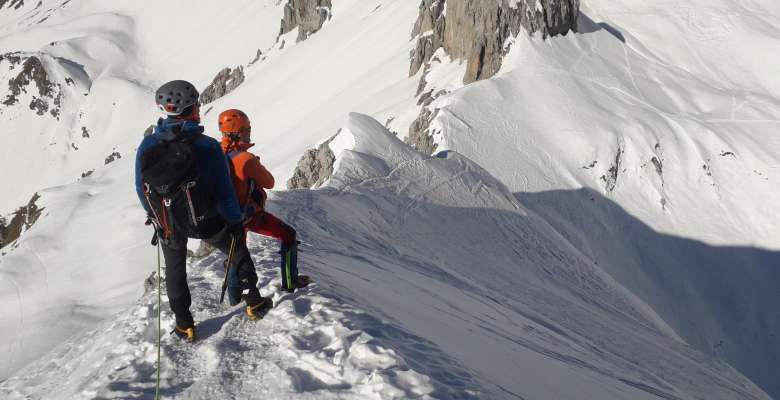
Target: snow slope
[513, 320]
[596, 293]
[444, 250]
[306, 347]
[656, 158]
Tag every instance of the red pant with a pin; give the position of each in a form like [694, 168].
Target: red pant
[265, 223]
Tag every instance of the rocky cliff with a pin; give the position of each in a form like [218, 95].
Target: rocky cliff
[476, 31]
[21, 220]
[32, 78]
[314, 168]
[306, 15]
[225, 82]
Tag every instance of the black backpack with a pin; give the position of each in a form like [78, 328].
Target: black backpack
[180, 205]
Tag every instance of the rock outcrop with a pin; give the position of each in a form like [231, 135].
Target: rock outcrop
[15, 4]
[112, 157]
[21, 220]
[33, 73]
[476, 31]
[314, 168]
[225, 82]
[307, 15]
[419, 136]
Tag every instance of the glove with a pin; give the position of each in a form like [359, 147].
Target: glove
[236, 231]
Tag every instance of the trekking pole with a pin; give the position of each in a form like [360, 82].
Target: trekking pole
[159, 320]
[227, 268]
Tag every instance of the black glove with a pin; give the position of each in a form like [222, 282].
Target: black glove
[236, 231]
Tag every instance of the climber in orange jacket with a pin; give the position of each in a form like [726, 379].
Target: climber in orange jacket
[250, 179]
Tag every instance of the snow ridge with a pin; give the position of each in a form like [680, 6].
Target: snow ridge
[305, 347]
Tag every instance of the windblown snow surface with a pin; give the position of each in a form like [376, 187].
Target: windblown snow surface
[599, 222]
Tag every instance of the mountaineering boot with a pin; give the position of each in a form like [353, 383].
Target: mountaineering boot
[290, 266]
[302, 281]
[186, 334]
[256, 305]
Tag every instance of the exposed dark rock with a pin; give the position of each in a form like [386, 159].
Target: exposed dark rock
[477, 30]
[707, 168]
[33, 72]
[420, 137]
[13, 58]
[112, 157]
[22, 219]
[314, 167]
[16, 4]
[225, 82]
[728, 153]
[610, 179]
[257, 57]
[39, 106]
[87, 173]
[306, 15]
[84, 132]
[658, 166]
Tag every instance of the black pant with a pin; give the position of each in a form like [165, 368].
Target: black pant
[175, 253]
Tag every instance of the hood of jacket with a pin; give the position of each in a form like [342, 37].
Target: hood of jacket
[168, 129]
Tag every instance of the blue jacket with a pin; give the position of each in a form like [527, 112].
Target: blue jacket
[212, 166]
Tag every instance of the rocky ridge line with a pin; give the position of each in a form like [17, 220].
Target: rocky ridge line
[477, 32]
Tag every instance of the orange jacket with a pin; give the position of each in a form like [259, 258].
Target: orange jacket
[246, 167]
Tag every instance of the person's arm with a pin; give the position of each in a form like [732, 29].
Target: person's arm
[256, 171]
[139, 186]
[225, 195]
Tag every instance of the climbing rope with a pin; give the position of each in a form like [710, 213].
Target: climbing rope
[159, 321]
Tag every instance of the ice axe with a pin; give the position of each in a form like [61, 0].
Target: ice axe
[227, 268]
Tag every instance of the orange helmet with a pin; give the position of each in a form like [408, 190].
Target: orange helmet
[235, 123]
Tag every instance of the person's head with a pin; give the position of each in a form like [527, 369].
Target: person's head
[234, 124]
[179, 99]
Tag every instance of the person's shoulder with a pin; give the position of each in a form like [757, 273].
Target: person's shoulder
[207, 142]
[243, 157]
[147, 141]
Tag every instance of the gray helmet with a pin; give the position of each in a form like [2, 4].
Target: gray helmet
[175, 97]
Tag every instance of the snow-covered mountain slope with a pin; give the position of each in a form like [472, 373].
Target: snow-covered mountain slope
[439, 319]
[296, 93]
[632, 144]
[443, 249]
[307, 346]
[632, 163]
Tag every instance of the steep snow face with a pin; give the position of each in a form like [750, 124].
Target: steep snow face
[444, 251]
[631, 143]
[39, 130]
[73, 267]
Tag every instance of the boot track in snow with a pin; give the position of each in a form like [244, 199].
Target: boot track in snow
[301, 349]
